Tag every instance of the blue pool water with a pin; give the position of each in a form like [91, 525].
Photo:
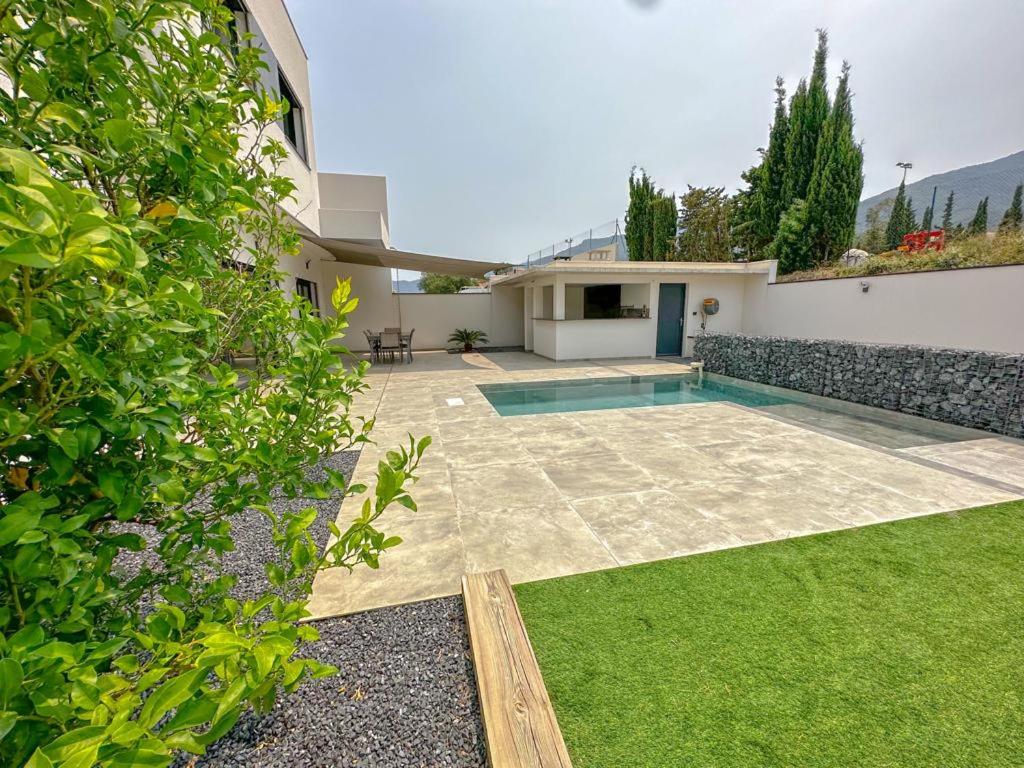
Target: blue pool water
[524, 398]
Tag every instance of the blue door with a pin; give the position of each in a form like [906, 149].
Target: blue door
[670, 318]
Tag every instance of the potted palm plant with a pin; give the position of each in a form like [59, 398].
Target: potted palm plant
[468, 338]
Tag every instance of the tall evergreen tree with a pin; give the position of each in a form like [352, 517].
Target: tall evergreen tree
[926, 219]
[807, 121]
[768, 201]
[1014, 214]
[947, 213]
[834, 192]
[791, 245]
[744, 217]
[638, 215]
[909, 216]
[979, 224]
[897, 226]
[664, 223]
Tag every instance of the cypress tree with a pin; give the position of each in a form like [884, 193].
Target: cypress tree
[926, 219]
[768, 201]
[947, 213]
[979, 224]
[834, 192]
[664, 221]
[638, 216]
[806, 125]
[791, 245]
[909, 217]
[896, 228]
[1014, 214]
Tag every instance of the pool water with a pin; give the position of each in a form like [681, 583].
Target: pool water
[520, 399]
[862, 423]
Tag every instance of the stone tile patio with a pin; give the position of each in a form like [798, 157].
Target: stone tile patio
[554, 494]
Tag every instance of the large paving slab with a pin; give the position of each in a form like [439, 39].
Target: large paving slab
[555, 494]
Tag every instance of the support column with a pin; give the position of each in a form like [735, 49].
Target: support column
[559, 306]
[528, 318]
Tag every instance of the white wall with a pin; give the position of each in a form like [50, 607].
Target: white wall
[544, 338]
[980, 308]
[583, 339]
[276, 28]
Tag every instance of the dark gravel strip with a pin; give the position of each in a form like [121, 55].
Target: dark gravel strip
[405, 694]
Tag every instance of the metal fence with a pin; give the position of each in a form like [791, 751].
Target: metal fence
[605, 242]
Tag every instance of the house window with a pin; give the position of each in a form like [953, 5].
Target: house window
[291, 121]
[307, 290]
[237, 25]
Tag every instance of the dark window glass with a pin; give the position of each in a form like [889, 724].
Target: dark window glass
[307, 290]
[602, 301]
[291, 121]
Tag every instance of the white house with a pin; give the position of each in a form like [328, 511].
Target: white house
[586, 301]
[579, 309]
[343, 218]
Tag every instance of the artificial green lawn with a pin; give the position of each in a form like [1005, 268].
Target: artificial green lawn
[899, 644]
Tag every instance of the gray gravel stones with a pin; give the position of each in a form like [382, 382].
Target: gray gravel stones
[982, 390]
[404, 695]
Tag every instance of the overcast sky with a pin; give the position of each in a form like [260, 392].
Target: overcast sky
[504, 125]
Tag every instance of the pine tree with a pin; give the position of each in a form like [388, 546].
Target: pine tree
[897, 226]
[979, 224]
[838, 179]
[638, 216]
[947, 213]
[791, 245]
[768, 202]
[1014, 214]
[808, 112]
[909, 216]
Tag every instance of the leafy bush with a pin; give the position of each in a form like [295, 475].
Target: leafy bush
[134, 172]
[468, 338]
[980, 251]
[432, 282]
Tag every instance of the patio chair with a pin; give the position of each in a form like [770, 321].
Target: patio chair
[390, 342]
[406, 342]
[373, 340]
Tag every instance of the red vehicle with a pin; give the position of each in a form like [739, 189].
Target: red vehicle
[923, 240]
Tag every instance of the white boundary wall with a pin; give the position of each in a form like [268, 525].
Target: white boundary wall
[981, 308]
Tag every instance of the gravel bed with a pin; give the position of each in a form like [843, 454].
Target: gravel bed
[405, 694]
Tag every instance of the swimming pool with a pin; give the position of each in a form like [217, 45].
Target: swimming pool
[851, 420]
[520, 399]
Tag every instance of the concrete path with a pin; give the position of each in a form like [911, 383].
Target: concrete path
[555, 494]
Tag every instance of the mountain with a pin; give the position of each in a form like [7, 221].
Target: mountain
[997, 179]
[408, 286]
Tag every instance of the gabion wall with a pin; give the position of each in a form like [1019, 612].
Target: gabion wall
[984, 390]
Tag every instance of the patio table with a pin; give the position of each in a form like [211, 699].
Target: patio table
[405, 343]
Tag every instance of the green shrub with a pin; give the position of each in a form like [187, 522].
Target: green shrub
[130, 182]
[468, 338]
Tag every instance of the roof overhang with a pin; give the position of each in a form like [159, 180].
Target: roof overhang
[377, 256]
[608, 269]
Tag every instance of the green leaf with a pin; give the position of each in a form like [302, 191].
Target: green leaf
[28, 252]
[169, 695]
[62, 113]
[117, 131]
[7, 722]
[11, 676]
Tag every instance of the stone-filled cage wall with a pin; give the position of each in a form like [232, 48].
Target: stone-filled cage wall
[981, 390]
